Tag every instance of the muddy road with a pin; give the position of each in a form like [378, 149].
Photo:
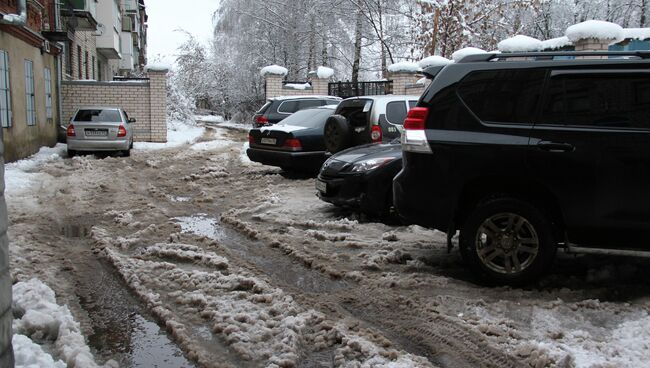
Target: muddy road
[195, 257]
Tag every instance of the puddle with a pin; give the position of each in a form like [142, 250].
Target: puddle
[274, 264]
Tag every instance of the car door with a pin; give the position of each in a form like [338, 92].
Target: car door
[591, 149]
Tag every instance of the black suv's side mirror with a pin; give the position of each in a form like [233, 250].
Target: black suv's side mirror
[131, 120]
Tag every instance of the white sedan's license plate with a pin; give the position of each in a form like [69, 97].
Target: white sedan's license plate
[268, 140]
[96, 132]
[321, 186]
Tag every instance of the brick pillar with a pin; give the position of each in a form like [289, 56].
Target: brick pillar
[273, 85]
[158, 105]
[320, 86]
[401, 80]
[592, 44]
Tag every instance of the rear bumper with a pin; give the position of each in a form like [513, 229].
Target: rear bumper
[291, 160]
[98, 145]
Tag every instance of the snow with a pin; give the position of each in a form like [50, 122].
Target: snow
[300, 86]
[235, 126]
[434, 60]
[520, 43]
[460, 54]
[157, 67]
[595, 29]
[283, 128]
[556, 43]
[324, 72]
[31, 355]
[404, 66]
[275, 70]
[178, 134]
[636, 33]
[20, 176]
[422, 81]
[209, 118]
[40, 317]
[210, 145]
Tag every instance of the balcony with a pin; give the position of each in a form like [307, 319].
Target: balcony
[81, 14]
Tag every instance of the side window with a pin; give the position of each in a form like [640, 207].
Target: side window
[288, 107]
[5, 91]
[305, 104]
[604, 100]
[504, 96]
[396, 112]
[412, 104]
[126, 116]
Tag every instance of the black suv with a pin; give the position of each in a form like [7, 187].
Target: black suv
[525, 152]
[277, 108]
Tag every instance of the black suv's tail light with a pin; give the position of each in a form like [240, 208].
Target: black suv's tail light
[414, 138]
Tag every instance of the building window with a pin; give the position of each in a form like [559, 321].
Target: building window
[29, 93]
[79, 63]
[68, 59]
[93, 67]
[48, 93]
[5, 91]
[87, 65]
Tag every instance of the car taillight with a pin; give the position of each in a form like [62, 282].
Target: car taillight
[414, 138]
[262, 120]
[121, 131]
[293, 144]
[70, 132]
[375, 133]
[416, 118]
[251, 139]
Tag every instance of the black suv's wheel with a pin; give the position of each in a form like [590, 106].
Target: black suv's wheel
[337, 133]
[508, 241]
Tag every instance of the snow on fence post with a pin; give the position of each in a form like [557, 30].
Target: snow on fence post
[594, 35]
[320, 80]
[405, 76]
[273, 75]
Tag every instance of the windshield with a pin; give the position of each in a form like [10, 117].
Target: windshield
[99, 115]
[308, 118]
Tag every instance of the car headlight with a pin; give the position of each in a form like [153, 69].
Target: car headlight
[371, 164]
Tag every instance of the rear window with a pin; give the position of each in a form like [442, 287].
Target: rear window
[288, 107]
[305, 104]
[396, 112]
[308, 118]
[262, 110]
[99, 116]
[504, 96]
[356, 110]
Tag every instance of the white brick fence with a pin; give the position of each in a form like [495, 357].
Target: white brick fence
[143, 100]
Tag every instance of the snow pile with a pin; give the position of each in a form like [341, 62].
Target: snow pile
[178, 134]
[556, 43]
[423, 81]
[157, 67]
[404, 66]
[187, 252]
[301, 86]
[31, 355]
[275, 70]
[597, 29]
[636, 33]
[460, 54]
[520, 43]
[324, 72]
[434, 60]
[209, 118]
[40, 318]
[21, 175]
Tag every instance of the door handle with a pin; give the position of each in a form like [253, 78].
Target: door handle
[555, 146]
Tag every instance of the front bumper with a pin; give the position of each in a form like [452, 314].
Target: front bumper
[311, 161]
[98, 145]
[357, 191]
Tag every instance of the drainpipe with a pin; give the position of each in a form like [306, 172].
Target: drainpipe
[18, 19]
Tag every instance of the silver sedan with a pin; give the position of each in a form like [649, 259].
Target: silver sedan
[100, 129]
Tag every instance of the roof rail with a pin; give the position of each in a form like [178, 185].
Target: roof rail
[544, 55]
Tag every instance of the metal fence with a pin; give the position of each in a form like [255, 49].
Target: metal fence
[352, 89]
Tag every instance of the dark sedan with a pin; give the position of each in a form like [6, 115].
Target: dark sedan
[296, 143]
[361, 178]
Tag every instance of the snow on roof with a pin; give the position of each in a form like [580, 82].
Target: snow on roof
[404, 66]
[595, 29]
[298, 85]
[274, 69]
[460, 54]
[636, 33]
[434, 60]
[157, 67]
[324, 72]
[520, 43]
[556, 43]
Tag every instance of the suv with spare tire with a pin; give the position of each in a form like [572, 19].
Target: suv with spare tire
[525, 153]
[366, 119]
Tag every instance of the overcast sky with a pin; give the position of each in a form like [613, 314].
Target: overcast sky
[168, 16]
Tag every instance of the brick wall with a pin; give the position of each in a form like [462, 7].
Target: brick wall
[404, 83]
[592, 44]
[143, 100]
[275, 87]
